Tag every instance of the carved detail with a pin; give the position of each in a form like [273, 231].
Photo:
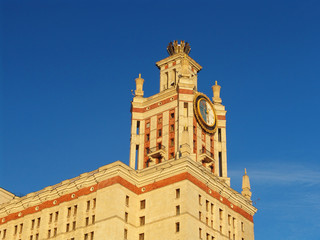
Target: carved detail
[174, 47]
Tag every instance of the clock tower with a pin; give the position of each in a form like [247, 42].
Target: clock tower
[179, 120]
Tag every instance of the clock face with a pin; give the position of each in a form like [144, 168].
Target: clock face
[205, 113]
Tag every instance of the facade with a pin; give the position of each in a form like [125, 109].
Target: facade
[175, 187]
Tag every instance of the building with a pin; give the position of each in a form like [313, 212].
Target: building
[176, 186]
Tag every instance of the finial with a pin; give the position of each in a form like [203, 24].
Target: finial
[216, 93]
[246, 189]
[139, 86]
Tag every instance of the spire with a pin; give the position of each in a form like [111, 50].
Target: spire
[139, 86]
[246, 190]
[216, 93]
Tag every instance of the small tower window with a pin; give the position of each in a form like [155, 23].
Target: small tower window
[138, 127]
[219, 134]
[172, 115]
[159, 132]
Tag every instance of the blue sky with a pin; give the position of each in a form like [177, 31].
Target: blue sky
[67, 69]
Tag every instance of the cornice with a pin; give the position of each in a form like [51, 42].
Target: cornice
[176, 56]
[137, 181]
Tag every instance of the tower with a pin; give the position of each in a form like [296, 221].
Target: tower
[176, 186]
[178, 116]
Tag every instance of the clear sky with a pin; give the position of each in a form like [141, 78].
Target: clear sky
[67, 69]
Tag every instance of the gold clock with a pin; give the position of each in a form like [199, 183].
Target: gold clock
[205, 113]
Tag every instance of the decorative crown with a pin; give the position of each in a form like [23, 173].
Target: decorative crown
[174, 47]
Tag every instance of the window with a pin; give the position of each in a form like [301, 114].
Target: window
[147, 150]
[126, 217]
[74, 225]
[75, 210]
[207, 221]
[171, 142]
[234, 222]
[207, 205]
[4, 233]
[125, 234]
[207, 236]
[178, 210]
[220, 228]
[21, 227]
[220, 164]
[32, 224]
[38, 222]
[229, 219]
[185, 109]
[172, 128]
[211, 208]
[93, 219]
[87, 221]
[94, 203]
[69, 212]
[86, 236]
[148, 137]
[229, 234]
[49, 233]
[160, 120]
[200, 232]
[159, 133]
[15, 229]
[211, 223]
[178, 193]
[92, 235]
[200, 215]
[234, 237]
[200, 199]
[68, 227]
[171, 155]
[37, 236]
[88, 205]
[219, 135]
[148, 125]
[143, 204]
[55, 230]
[141, 236]
[57, 216]
[31, 237]
[220, 213]
[177, 227]
[242, 227]
[142, 220]
[172, 115]
[138, 128]
[127, 201]
[50, 217]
